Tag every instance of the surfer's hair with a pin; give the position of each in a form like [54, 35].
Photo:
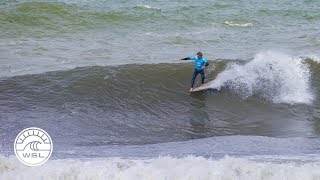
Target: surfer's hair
[199, 53]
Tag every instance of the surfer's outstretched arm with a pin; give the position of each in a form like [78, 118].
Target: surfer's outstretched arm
[187, 58]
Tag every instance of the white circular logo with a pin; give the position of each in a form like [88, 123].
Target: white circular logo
[33, 146]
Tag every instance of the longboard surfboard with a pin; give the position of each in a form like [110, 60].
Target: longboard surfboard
[203, 87]
[200, 88]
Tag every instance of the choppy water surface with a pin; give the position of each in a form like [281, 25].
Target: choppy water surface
[104, 79]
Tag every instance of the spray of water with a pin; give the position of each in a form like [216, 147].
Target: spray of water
[274, 76]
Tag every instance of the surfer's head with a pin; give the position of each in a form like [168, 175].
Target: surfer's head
[199, 54]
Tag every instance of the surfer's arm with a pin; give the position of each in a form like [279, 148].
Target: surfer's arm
[187, 58]
[206, 64]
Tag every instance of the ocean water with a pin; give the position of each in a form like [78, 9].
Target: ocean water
[104, 79]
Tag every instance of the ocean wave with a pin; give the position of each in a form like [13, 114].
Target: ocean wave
[189, 167]
[272, 76]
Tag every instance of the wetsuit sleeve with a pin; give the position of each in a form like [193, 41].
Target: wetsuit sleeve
[193, 58]
[187, 58]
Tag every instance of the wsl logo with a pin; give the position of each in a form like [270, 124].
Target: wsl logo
[33, 146]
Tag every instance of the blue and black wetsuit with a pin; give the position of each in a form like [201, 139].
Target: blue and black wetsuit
[198, 67]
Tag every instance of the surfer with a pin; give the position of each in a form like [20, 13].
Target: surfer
[199, 64]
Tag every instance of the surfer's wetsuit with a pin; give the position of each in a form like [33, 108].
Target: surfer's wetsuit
[198, 64]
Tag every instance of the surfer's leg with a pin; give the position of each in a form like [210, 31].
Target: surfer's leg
[202, 76]
[195, 73]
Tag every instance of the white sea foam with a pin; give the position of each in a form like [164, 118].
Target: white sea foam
[159, 168]
[147, 7]
[274, 76]
[230, 23]
[314, 58]
[144, 6]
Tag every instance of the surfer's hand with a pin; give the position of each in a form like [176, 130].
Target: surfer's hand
[203, 67]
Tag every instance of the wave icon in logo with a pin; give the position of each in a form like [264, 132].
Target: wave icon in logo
[33, 146]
